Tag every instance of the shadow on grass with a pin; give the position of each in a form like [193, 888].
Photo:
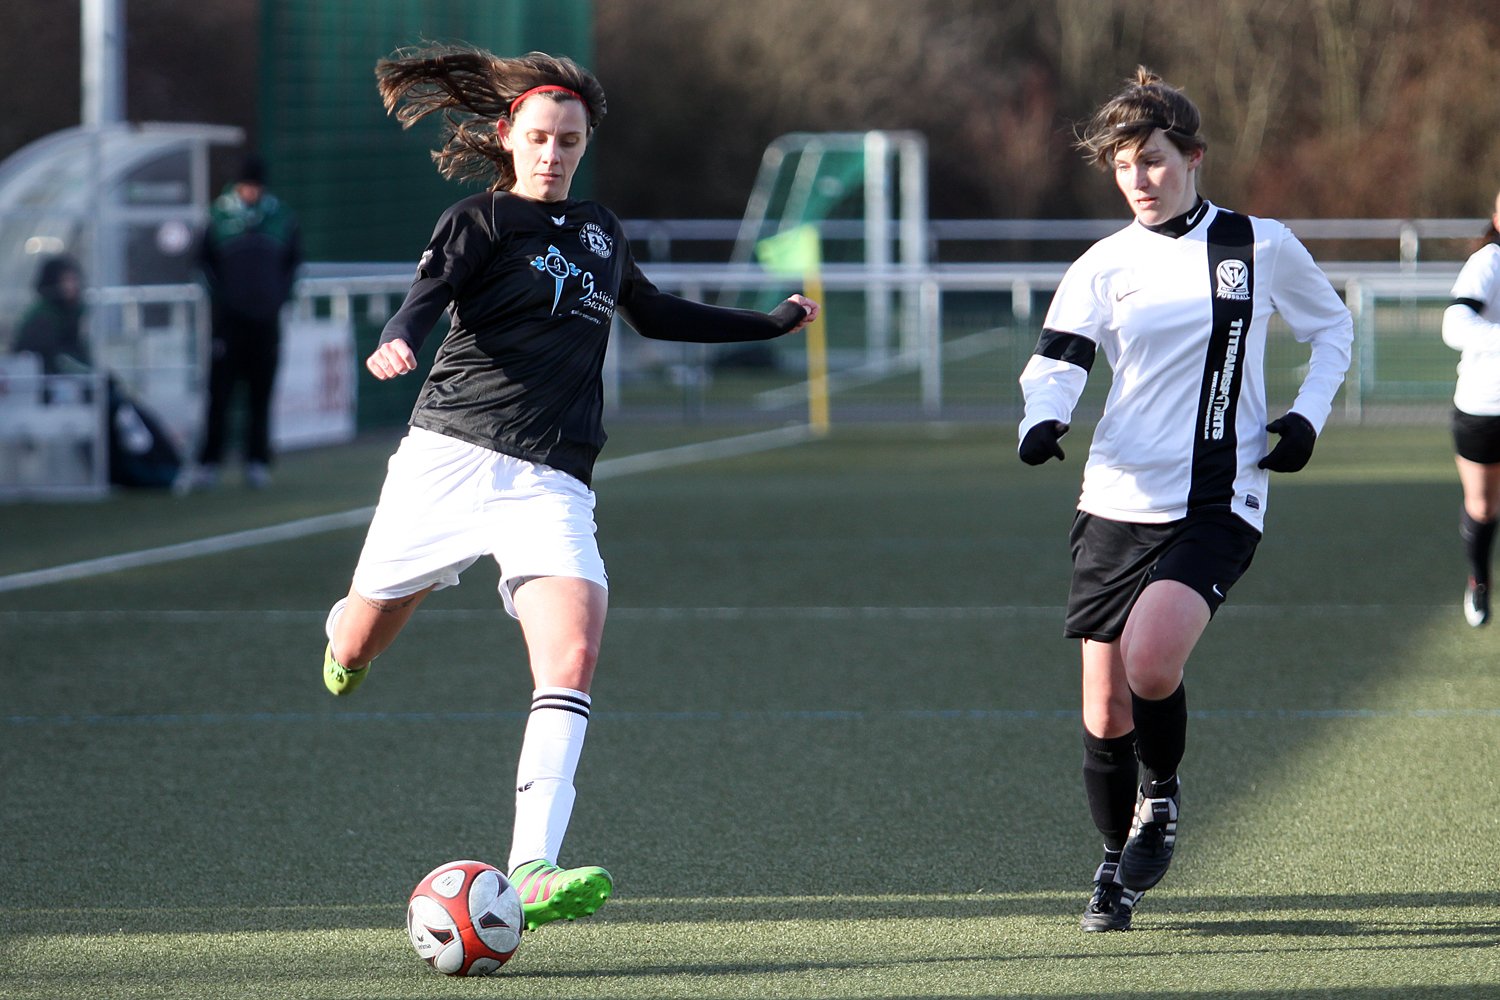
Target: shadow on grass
[1168, 914]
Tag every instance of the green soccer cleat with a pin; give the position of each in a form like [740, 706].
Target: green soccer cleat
[338, 678]
[550, 893]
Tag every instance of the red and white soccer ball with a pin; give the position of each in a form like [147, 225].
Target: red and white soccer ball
[464, 919]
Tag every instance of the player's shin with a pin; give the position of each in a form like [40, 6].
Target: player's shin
[1110, 776]
[1161, 738]
[544, 804]
[1479, 540]
[544, 776]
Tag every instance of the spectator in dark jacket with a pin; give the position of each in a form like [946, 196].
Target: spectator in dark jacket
[50, 327]
[249, 255]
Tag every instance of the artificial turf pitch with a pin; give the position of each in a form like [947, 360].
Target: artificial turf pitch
[834, 752]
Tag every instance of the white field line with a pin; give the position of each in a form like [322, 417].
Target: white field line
[608, 469]
[430, 616]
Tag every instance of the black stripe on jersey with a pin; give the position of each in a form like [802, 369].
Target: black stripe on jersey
[1231, 280]
[1069, 347]
[1473, 304]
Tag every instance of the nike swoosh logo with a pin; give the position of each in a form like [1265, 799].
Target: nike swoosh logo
[559, 219]
[1128, 292]
[1218, 591]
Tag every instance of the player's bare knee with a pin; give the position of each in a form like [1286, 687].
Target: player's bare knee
[1482, 509]
[1155, 681]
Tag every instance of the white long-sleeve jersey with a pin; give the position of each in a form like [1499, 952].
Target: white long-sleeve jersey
[1472, 325]
[1182, 320]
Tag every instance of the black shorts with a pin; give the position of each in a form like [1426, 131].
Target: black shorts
[1113, 561]
[1476, 438]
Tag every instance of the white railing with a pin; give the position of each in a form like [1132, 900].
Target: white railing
[54, 441]
[922, 347]
[660, 234]
[154, 339]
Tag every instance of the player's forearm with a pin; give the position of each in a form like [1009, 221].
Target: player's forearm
[420, 312]
[1464, 329]
[1051, 388]
[1325, 373]
[666, 317]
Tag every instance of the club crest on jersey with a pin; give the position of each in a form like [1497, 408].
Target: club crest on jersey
[597, 240]
[555, 264]
[1234, 280]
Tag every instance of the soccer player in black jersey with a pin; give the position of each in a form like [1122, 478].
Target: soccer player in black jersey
[506, 429]
[1174, 489]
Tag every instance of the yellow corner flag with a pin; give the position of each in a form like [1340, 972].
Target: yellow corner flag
[796, 251]
[800, 251]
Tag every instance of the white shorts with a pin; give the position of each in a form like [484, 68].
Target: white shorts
[446, 502]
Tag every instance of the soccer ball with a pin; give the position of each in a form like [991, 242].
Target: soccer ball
[464, 919]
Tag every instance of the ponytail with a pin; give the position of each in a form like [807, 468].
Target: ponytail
[1491, 235]
[473, 89]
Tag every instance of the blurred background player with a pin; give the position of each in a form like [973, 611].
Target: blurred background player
[1472, 325]
[508, 424]
[1174, 490]
[249, 256]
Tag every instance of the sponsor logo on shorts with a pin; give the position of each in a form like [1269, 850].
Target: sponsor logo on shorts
[597, 240]
[1234, 280]
[1252, 501]
[1219, 592]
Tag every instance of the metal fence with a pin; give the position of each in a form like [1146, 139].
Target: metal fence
[964, 332]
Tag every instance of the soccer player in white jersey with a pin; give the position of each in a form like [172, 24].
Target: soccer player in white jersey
[1174, 489]
[1472, 325]
[508, 424]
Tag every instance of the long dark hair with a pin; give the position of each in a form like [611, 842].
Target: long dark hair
[1491, 234]
[473, 89]
[1131, 117]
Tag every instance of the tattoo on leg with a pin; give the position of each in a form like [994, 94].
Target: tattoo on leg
[387, 607]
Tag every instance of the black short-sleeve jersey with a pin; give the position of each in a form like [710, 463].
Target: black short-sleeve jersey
[535, 285]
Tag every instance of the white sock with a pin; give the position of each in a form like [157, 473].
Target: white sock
[544, 776]
[333, 622]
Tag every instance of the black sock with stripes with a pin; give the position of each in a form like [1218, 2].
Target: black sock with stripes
[1110, 775]
[1479, 539]
[1160, 740]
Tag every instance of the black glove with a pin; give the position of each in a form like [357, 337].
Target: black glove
[1041, 442]
[1296, 445]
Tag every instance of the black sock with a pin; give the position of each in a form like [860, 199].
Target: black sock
[1109, 779]
[1160, 739]
[1479, 539]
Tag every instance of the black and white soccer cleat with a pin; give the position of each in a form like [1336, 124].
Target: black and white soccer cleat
[1153, 836]
[1112, 905]
[1476, 603]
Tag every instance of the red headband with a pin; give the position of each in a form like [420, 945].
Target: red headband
[546, 87]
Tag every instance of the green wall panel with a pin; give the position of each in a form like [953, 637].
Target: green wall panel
[366, 190]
